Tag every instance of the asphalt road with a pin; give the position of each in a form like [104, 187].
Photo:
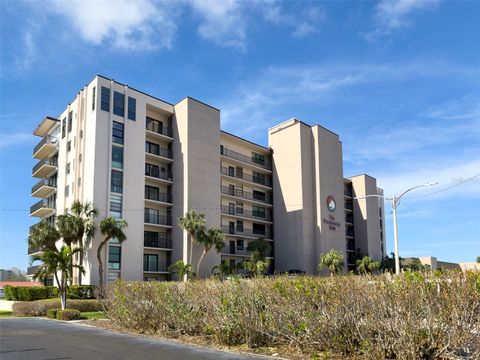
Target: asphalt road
[35, 339]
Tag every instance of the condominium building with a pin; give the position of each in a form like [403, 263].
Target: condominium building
[147, 161]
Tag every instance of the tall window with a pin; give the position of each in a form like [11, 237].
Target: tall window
[132, 109]
[116, 182]
[67, 169]
[152, 170]
[258, 177]
[116, 206]
[154, 125]
[70, 121]
[258, 158]
[105, 99]
[258, 211]
[117, 133]
[64, 126]
[69, 146]
[259, 229]
[150, 262]
[114, 257]
[118, 104]
[152, 193]
[67, 191]
[117, 157]
[93, 97]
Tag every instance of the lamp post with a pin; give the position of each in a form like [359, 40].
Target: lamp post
[395, 202]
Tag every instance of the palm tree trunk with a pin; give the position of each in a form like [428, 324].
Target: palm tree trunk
[81, 254]
[191, 249]
[200, 261]
[63, 292]
[100, 263]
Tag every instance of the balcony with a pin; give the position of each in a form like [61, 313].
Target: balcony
[255, 215]
[161, 242]
[41, 209]
[35, 250]
[349, 219]
[161, 267]
[43, 168]
[154, 172]
[46, 147]
[264, 181]
[263, 198]
[156, 127]
[232, 250]
[349, 232]
[158, 196]
[267, 165]
[158, 151]
[44, 188]
[157, 219]
[348, 191]
[255, 234]
[31, 270]
[44, 127]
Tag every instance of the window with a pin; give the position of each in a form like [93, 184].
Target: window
[117, 133]
[258, 211]
[152, 193]
[132, 109]
[152, 170]
[258, 177]
[69, 146]
[64, 125]
[259, 229]
[154, 125]
[93, 97]
[117, 157]
[239, 172]
[116, 206]
[152, 148]
[79, 182]
[240, 245]
[67, 170]
[67, 191]
[258, 158]
[231, 171]
[118, 104]
[239, 225]
[116, 182]
[150, 262]
[105, 99]
[81, 134]
[258, 195]
[70, 120]
[114, 257]
[239, 209]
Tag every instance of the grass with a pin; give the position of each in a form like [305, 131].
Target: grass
[92, 315]
[5, 313]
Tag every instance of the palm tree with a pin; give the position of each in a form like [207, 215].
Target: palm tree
[212, 238]
[182, 270]
[110, 228]
[55, 262]
[258, 262]
[192, 222]
[43, 236]
[333, 260]
[367, 265]
[222, 270]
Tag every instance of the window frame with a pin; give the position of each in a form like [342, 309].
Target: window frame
[118, 104]
[105, 99]
[132, 114]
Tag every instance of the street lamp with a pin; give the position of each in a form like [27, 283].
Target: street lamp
[395, 202]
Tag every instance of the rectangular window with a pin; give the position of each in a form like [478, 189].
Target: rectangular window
[152, 193]
[152, 148]
[116, 182]
[70, 121]
[93, 97]
[258, 195]
[64, 127]
[69, 146]
[259, 229]
[67, 191]
[154, 125]
[114, 257]
[258, 158]
[240, 245]
[67, 170]
[150, 262]
[105, 99]
[239, 225]
[116, 206]
[258, 211]
[117, 133]
[118, 104]
[117, 157]
[258, 177]
[132, 109]
[152, 170]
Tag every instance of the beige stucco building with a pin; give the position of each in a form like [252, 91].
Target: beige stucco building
[147, 161]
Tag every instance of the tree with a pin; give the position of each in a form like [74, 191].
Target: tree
[110, 228]
[222, 270]
[192, 222]
[43, 236]
[478, 259]
[333, 261]
[55, 262]
[367, 265]
[182, 270]
[211, 238]
[258, 263]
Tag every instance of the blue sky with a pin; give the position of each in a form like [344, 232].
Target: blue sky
[399, 81]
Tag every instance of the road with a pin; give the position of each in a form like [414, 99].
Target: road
[36, 338]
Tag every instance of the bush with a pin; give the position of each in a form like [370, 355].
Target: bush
[68, 314]
[30, 293]
[40, 307]
[52, 313]
[81, 292]
[409, 316]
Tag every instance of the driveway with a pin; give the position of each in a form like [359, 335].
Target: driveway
[36, 338]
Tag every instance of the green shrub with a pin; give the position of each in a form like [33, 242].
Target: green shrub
[30, 293]
[81, 292]
[68, 314]
[40, 307]
[52, 313]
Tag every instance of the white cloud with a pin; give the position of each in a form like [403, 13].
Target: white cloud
[14, 139]
[140, 24]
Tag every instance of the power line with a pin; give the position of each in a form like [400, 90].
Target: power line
[444, 189]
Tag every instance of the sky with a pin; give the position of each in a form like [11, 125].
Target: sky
[399, 81]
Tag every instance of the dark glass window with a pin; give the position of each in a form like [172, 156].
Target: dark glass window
[152, 148]
[154, 125]
[64, 125]
[240, 245]
[117, 133]
[150, 262]
[69, 146]
[258, 158]
[258, 195]
[93, 97]
[114, 257]
[105, 99]
[258, 211]
[258, 177]
[259, 229]
[70, 120]
[68, 168]
[117, 157]
[118, 104]
[67, 190]
[152, 170]
[239, 225]
[132, 109]
[152, 193]
[116, 182]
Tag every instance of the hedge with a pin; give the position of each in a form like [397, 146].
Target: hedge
[40, 307]
[68, 314]
[26, 293]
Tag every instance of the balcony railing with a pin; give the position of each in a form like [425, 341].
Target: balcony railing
[35, 249]
[156, 173]
[267, 199]
[159, 242]
[45, 141]
[43, 162]
[158, 196]
[31, 270]
[245, 159]
[232, 250]
[266, 180]
[42, 204]
[52, 182]
[161, 267]
[158, 127]
[256, 215]
[266, 234]
[159, 151]
[158, 219]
